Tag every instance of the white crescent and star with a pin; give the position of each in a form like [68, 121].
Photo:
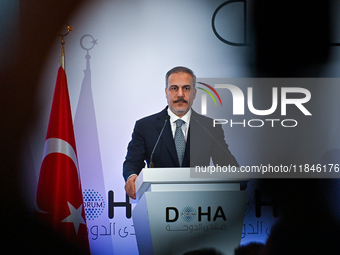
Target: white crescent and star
[75, 217]
[56, 145]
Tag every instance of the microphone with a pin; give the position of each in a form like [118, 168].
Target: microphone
[160, 134]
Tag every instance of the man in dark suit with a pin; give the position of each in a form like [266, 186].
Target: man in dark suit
[188, 139]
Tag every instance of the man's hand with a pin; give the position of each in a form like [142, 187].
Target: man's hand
[130, 187]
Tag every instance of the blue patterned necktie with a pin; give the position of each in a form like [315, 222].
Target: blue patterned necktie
[179, 141]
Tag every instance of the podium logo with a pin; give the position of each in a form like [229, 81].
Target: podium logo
[189, 214]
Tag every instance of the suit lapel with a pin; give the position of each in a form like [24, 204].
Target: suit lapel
[192, 128]
[167, 137]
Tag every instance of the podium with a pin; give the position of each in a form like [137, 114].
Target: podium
[176, 214]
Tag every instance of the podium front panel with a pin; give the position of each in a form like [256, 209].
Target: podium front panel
[181, 221]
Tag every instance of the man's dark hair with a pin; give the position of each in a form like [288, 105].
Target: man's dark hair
[180, 69]
[252, 248]
[204, 251]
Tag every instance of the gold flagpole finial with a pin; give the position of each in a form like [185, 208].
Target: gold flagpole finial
[62, 57]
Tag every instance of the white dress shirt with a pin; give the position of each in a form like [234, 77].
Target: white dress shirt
[185, 126]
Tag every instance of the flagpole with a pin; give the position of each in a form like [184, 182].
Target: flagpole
[62, 57]
[59, 199]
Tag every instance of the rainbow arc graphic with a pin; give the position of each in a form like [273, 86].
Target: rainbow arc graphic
[209, 93]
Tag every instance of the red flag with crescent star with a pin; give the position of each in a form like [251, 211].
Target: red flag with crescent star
[59, 200]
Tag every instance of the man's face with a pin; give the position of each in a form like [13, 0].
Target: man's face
[180, 93]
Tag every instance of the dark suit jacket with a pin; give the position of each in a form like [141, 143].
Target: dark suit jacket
[204, 142]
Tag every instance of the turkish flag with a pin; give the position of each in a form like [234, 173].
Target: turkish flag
[59, 201]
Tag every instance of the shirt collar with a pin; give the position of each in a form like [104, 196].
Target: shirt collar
[174, 117]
